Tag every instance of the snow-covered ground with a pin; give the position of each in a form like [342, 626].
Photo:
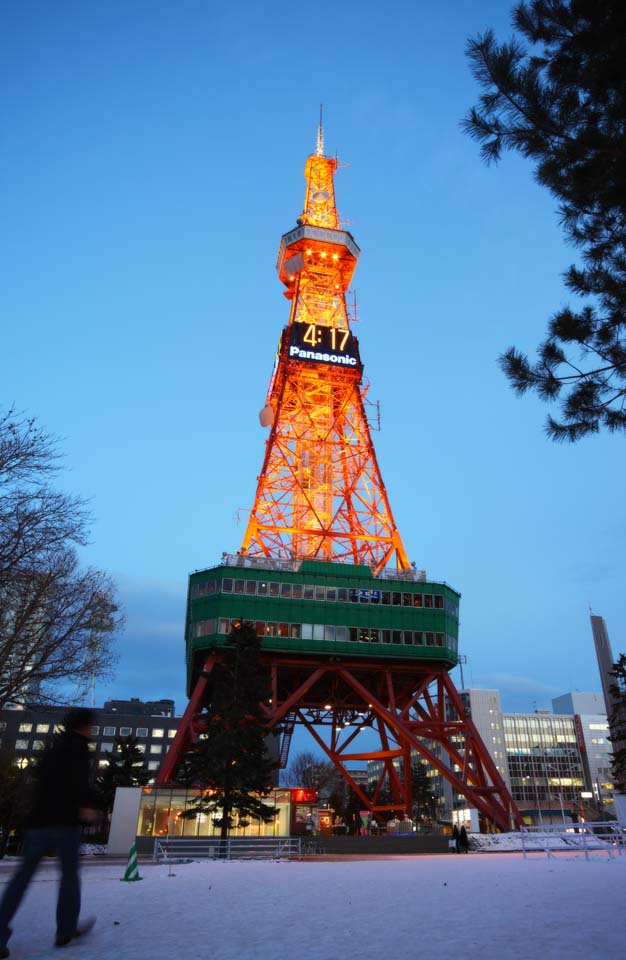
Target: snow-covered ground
[489, 905]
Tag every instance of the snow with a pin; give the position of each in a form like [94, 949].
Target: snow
[486, 905]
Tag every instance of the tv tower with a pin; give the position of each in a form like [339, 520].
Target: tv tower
[354, 637]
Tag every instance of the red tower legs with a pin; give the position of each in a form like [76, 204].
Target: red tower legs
[409, 708]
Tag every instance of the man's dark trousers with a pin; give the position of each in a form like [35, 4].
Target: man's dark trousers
[65, 843]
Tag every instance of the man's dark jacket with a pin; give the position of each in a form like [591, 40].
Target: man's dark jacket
[62, 783]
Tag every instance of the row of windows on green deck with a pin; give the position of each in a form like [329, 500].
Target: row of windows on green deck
[309, 591]
[328, 632]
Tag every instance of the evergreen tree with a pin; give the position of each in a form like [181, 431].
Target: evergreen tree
[125, 767]
[562, 104]
[617, 724]
[230, 761]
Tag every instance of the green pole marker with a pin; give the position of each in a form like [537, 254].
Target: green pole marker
[132, 870]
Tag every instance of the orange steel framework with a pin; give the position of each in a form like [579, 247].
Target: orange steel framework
[320, 493]
[320, 496]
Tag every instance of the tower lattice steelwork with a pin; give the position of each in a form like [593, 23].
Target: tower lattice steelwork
[354, 637]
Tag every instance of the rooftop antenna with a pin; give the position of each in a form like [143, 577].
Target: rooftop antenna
[320, 135]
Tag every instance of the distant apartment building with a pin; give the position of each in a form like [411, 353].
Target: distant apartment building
[592, 728]
[26, 730]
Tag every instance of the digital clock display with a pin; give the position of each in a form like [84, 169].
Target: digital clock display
[332, 345]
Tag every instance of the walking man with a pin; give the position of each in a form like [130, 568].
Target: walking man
[62, 801]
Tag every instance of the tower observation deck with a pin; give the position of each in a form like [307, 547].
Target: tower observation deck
[354, 638]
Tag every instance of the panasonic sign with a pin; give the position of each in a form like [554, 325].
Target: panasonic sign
[341, 359]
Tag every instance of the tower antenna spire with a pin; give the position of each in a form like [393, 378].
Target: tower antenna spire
[319, 151]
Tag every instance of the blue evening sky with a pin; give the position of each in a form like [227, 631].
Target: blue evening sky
[152, 156]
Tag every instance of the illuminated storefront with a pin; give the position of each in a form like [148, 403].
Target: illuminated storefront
[161, 814]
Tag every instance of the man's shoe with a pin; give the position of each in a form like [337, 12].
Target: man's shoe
[80, 931]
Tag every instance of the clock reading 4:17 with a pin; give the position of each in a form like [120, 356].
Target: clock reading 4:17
[315, 336]
[314, 343]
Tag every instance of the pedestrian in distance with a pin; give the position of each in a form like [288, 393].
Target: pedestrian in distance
[456, 838]
[463, 841]
[62, 800]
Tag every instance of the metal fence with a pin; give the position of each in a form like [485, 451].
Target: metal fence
[177, 849]
[607, 837]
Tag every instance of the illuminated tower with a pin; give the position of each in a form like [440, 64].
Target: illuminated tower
[320, 493]
[355, 639]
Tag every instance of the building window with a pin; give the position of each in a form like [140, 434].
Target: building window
[171, 734]
[42, 728]
[108, 732]
[106, 747]
[158, 733]
[103, 763]
[91, 746]
[141, 747]
[156, 748]
[154, 765]
[94, 731]
[38, 745]
[21, 744]
[25, 727]
[142, 731]
[126, 731]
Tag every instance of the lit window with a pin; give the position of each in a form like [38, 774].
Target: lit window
[154, 765]
[42, 728]
[156, 748]
[103, 763]
[158, 733]
[21, 744]
[126, 731]
[25, 727]
[142, 731]
[141, 747]
[171, 734]
[38, 745]
[108, 746]
[108, 731]
[91, 746]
